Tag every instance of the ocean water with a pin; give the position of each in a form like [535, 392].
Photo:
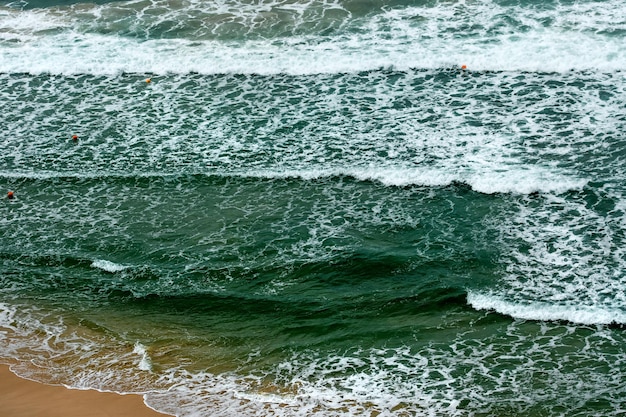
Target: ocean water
[313, 209]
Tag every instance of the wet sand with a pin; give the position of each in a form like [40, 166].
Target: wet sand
[23, 398]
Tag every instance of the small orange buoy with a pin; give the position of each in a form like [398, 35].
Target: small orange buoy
[10, 195]
[463, 67]
[148, 80]
[74, 137]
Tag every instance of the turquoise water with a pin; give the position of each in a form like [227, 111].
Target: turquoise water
[312, 210]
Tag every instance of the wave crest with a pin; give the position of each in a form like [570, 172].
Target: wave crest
[542, 311]
[108, 266]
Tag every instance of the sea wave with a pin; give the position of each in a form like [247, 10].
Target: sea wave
[544, 311]
[513, 181]
[270, 38]
[72, 54]
[108, 266]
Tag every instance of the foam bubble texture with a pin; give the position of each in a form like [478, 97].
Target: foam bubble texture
[280, 37]
[564, 261]
[497, 132]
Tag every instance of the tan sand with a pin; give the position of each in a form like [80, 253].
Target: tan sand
[23, 398]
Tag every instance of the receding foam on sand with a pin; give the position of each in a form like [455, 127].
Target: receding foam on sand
[24, 398]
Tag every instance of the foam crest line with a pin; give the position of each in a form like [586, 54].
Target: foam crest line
[272, 37]
[512, 181]
[71, 54]
[108, 266]
[540, 311]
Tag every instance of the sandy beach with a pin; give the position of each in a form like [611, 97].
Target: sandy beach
[23, 398]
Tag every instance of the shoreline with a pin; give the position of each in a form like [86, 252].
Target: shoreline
[21, 397]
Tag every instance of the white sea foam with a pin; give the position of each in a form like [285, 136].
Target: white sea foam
[561, 260]
[108, 266]
[469, 371]
[103, 55]
[7, 314]
[145, 364]
[543, 311]
[499, 138]
[442, 379]
[524, 181]
[490, 181]
[421, 37]
[41, 342]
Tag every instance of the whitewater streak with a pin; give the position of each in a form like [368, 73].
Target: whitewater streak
[250, 39]
[544, 311]
[486, 180]
[71, 54]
